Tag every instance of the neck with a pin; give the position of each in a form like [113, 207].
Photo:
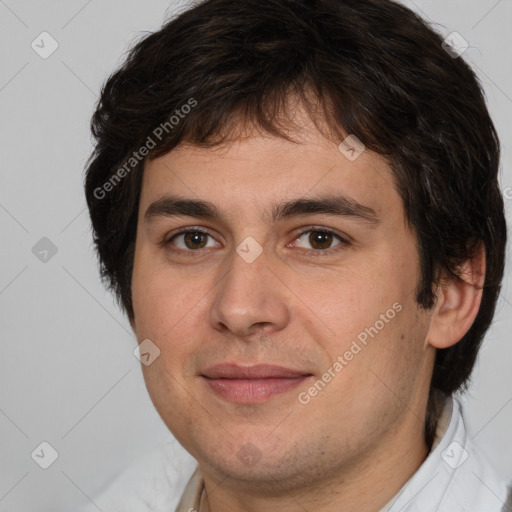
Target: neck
[369, 484]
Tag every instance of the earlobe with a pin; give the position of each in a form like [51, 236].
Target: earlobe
[458, 302]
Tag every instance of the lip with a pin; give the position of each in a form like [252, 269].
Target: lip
[257, 371]
[252, 384]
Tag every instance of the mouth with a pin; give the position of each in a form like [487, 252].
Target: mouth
[252, 384]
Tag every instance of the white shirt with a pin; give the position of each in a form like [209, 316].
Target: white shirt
[455, 477]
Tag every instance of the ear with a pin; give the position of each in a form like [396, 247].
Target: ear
[458, 302]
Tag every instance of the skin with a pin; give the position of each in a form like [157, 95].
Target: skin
[359, 440]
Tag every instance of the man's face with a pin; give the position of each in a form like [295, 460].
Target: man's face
[309, 300]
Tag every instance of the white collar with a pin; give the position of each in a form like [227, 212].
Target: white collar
[454, 477]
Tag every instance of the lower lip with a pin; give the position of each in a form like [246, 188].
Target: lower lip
[251, 391]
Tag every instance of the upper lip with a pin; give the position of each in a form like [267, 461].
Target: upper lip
[258, 371]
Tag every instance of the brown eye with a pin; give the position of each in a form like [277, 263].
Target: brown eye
[195, 239]
[189, 241]
[319, 240]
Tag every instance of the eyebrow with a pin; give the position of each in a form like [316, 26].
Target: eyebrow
[338, 204]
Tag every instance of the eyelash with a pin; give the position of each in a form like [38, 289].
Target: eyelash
[313, 252]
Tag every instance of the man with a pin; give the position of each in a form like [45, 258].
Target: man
[297, 205]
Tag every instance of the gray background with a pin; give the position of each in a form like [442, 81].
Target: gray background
[67, 372]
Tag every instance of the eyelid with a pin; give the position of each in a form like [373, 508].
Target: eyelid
[186, 229]
[342, 236]
[183, 231]
[344, 241]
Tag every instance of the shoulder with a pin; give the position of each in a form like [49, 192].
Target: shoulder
[153, 482]
[456, 476]
[474, 483]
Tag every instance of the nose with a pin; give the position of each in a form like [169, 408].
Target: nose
[251, 297]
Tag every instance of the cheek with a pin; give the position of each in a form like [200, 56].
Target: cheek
[396, 356]
[160, 299]
[376, 330]
[166, 309]
[354, 308]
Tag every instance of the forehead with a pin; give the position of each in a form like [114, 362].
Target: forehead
[248, 177]
[261, 172]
